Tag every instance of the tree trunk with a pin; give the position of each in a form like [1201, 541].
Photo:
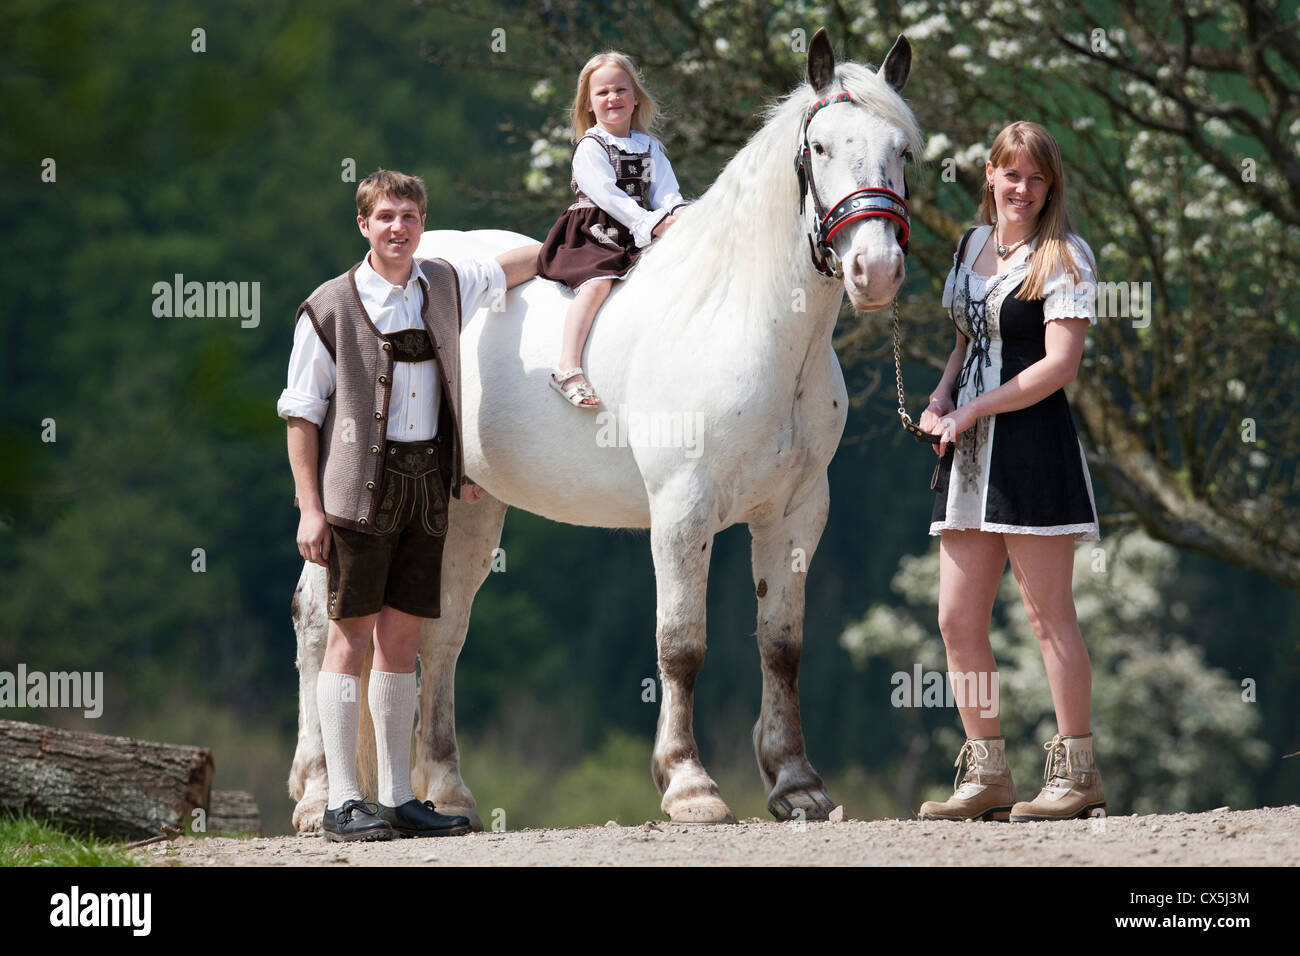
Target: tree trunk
[233, 812]
[111, 786]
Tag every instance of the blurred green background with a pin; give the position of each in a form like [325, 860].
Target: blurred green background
[226, 165]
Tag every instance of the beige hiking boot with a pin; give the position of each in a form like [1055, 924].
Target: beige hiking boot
[986, 791]
[1073, 784]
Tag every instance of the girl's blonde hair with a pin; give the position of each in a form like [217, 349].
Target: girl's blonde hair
[582, 118]
[1053, 228]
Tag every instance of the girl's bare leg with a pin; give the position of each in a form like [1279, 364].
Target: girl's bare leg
[578, 322]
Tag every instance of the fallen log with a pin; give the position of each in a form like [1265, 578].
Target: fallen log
[113, 787]
[233, 812]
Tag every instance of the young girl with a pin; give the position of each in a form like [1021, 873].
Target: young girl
[626, 194]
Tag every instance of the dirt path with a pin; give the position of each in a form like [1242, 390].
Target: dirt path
[1267, 837]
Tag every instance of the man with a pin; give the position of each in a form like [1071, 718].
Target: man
[373, 405]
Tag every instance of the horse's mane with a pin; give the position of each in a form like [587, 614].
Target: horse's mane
[746, 224]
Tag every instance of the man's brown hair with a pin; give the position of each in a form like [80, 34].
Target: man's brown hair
[390, 184]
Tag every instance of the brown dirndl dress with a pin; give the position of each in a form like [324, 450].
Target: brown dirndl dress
[588, 243]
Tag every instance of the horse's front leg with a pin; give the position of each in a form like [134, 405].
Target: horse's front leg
[473, 534]
[308, 780]
[782, 548]
[680, 537]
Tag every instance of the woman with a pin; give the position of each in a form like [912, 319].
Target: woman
[1021, 294]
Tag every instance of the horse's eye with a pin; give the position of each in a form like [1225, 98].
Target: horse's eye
[819, 149]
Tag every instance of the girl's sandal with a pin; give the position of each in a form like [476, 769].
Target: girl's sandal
[574, 387]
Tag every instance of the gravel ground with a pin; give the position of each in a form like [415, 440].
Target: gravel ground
[1266, 837]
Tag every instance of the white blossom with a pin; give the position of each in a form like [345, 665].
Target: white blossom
[938, 145]
[1004, 49]
[975, 155]
[928, 27]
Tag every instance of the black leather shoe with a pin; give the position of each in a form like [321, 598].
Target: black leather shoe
[416, 819]
[355, 820]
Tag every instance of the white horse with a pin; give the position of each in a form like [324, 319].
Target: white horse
[723, 403]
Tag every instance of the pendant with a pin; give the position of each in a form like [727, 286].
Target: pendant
[1002, 251]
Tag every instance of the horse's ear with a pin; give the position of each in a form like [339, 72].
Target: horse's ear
[821, 62]
[897, 64]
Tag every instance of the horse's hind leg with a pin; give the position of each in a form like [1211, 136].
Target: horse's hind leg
[308, 781]
[782, 548]
[473, 533]
[681, 556]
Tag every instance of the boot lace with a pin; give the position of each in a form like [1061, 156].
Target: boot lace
[973, 751]
[1059, 771]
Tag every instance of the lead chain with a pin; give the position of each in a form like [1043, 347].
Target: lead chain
[908, 424]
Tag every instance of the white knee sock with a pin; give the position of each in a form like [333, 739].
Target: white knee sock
[338, 701]
[392, 708]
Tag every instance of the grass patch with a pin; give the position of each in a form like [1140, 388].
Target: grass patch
[26, 841]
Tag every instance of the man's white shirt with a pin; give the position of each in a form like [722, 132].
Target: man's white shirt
[417, 394]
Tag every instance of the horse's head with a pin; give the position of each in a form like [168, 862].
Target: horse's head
[855, 136]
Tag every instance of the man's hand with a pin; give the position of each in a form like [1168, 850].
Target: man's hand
[314, 537]
[471, 492]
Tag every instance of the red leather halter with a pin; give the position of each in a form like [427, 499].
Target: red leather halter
[874, 202]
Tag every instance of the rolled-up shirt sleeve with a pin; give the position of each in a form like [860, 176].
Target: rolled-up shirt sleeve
[482, 283]
[312, 374]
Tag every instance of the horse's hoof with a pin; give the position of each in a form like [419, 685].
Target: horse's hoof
[801, 805]
[702, 810]
[307, 817]
[475, 823]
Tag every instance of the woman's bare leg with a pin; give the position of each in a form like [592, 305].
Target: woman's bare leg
[970, 567]
[1044, 566]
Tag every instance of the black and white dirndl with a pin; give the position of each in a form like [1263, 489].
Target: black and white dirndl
[1020, 472]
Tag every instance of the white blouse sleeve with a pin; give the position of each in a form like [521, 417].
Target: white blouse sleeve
[594, 175]
[1066, 298]
[312, 374]
[950, 284]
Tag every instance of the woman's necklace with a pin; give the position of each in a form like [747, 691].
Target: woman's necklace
[1004, 251]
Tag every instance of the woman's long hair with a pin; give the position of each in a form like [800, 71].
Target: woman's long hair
[581, 116]
[1052, 252]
